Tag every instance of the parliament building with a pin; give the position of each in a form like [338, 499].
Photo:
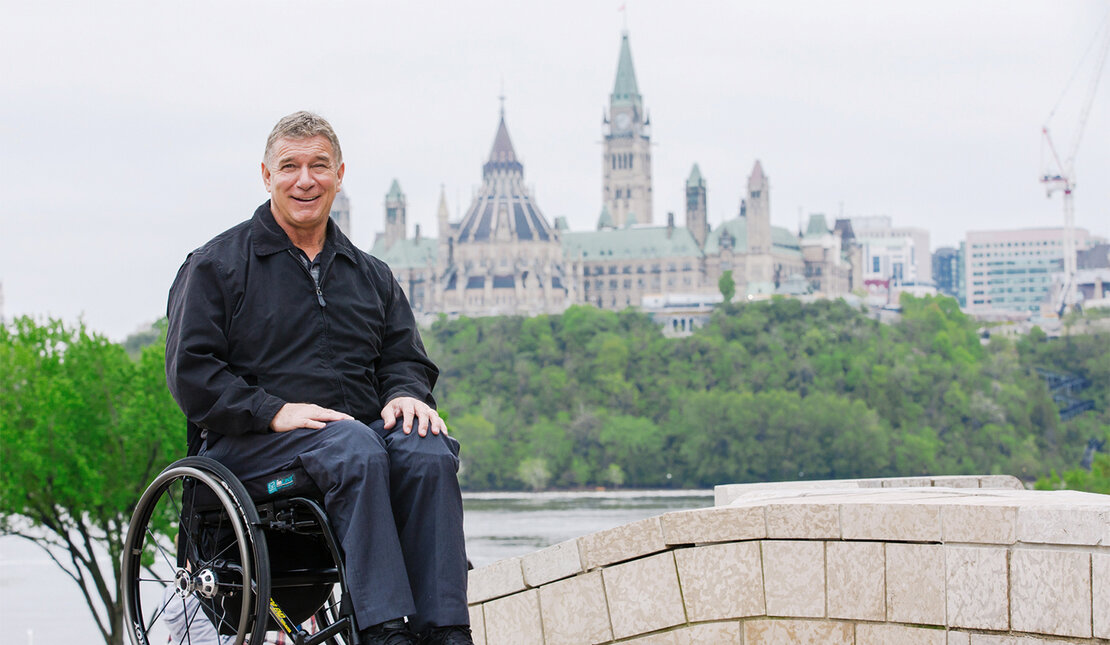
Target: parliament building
[504, 257]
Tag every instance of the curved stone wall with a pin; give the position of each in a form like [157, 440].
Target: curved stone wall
[942, 561]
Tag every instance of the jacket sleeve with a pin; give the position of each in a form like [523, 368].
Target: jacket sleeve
[197, 371]
[403, 368]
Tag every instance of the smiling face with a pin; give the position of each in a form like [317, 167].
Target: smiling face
[302, 177]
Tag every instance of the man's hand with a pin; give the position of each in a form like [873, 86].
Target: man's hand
[292, 416]
[408, 407]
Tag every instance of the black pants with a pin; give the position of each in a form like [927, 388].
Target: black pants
[394, 503]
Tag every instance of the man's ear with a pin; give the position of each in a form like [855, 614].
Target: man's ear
[339, 174]
[265, 176]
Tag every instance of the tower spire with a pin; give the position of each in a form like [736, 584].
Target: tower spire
[625, 89]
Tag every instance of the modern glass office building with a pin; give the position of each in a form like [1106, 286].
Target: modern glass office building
[1013, 270]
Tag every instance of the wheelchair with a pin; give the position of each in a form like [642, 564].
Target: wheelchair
[206, 554]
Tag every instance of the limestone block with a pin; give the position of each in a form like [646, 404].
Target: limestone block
[721, 580]
[477, 624]
[803, 521]
[979, 523]
[1000, 481]
[856, 580]
[1100, 588]
[725, 524]
[915, 583]
[705, 634]
[726, 494]
[514, 620]
[622, 543]
[1087, 524]
[959, 638]
[998, 639]
[907, 482]
[978, 584]
[869, 634]
[553, 563]
[1050, 592]
[794, 578]
[716, 633]
[957, 481]
[574, 611]
[910, 522]
[643, 595]
[498, 579]
[800, 632]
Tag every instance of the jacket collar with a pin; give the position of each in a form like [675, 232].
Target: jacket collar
[268, 238]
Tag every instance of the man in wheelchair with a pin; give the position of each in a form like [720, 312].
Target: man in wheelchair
[289, 349]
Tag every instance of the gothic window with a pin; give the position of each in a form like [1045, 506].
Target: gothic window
[755, 194]
[631, 161]
[613, 158]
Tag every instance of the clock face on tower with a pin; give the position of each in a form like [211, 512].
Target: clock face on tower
[622, 121]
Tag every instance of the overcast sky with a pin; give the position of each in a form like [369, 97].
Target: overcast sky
[130, 133]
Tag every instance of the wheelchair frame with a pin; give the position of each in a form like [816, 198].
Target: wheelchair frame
[220, 562]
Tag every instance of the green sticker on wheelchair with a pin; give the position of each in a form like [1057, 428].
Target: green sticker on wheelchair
[278, 484]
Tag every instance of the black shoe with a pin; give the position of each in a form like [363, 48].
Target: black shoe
[452, 635]
[391, 632]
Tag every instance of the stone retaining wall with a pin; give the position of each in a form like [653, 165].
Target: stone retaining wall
[941, 561]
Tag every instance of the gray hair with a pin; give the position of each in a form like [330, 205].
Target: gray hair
[303, 125]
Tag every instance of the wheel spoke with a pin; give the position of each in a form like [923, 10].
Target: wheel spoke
[158, 613]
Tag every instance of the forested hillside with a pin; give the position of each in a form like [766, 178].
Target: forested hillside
[771, 390]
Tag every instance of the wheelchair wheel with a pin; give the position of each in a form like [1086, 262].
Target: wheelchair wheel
[195, 562]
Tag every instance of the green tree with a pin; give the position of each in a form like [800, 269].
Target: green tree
[727, 285]
[534, 473]
[83, 430]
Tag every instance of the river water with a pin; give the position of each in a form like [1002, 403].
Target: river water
[40, 605]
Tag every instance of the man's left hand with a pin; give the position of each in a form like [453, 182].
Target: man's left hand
[409, 408]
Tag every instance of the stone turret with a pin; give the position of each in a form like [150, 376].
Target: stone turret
[696, 210]
[394, 215]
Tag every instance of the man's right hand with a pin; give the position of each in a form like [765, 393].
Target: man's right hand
[304, 415]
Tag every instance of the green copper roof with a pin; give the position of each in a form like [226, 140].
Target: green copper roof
[630, 243]
[782, 240]
[625, 90]
[408, 253]
[695, 180]
[817, 226]
[395, 194]
[736, 228]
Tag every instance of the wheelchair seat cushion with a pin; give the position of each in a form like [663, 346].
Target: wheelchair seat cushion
[293, 482]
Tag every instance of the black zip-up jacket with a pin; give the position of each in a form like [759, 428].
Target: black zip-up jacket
[250, 329]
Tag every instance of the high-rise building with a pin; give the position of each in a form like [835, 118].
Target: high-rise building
[1012, 270]
[948, 271]
[626, 156]
[898, 253]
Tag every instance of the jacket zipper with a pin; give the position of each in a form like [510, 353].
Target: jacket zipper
[315, 281]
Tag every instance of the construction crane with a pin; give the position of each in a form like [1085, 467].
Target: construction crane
[1062, 177]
